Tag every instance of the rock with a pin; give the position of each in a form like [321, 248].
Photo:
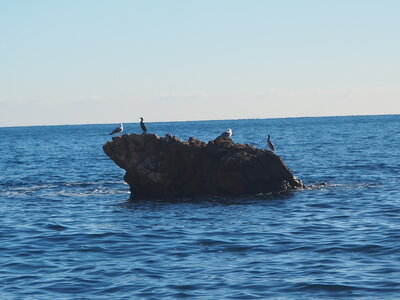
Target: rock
[168, 167]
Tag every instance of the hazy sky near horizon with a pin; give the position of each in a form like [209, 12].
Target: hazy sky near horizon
[97, 61]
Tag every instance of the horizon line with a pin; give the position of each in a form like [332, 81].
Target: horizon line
[204, 120]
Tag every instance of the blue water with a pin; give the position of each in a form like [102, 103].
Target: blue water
[68, 231]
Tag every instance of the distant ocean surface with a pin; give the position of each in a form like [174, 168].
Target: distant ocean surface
[68, 230]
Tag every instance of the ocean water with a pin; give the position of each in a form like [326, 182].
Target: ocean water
[68, 230]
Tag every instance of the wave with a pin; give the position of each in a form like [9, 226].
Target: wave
[327, 185]
[66, 189]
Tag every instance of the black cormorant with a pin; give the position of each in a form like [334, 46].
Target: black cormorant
[143, 126]
[270, 145]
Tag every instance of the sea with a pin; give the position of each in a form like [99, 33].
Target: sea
[68, 229]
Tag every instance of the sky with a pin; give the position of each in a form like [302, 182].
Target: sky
[97, 61]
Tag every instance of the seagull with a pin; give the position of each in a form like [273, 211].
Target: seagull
[270, 145]
[143, 126]
[118, 129]
[226, 134]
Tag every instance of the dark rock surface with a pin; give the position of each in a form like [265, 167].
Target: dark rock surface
[167, 167]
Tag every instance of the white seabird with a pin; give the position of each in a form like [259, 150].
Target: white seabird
[270, 145]
[226, 134]
[118, 129]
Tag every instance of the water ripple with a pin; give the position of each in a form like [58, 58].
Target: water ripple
[67, 230]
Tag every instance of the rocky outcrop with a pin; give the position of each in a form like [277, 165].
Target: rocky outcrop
[164, 167]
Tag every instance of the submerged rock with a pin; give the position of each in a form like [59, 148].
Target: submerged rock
[167, 167]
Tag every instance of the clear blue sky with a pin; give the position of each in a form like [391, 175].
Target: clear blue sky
[79, 62]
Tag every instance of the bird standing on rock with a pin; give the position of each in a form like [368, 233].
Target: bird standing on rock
[143, 126]
[270, 145]
[226, 134]
[118, 129]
